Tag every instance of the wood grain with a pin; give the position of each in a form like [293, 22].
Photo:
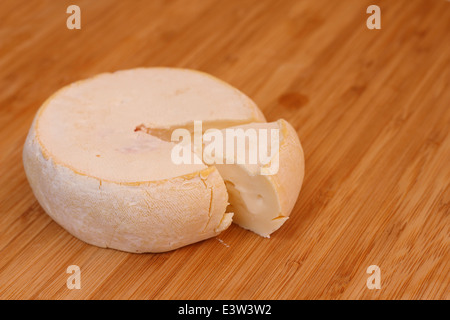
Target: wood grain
[372, 109]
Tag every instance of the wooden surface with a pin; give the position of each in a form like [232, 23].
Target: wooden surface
[371, 107]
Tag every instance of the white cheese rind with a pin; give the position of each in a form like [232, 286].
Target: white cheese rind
[141, 217]
[112, 186]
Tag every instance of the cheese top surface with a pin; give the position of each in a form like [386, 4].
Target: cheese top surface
[90, 126]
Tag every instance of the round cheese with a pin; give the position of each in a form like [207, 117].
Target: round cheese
[111, 184]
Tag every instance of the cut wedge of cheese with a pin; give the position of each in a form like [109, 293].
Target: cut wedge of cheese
[263, 194]
[98, 160]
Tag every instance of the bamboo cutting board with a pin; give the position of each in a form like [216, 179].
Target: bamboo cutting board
[371, 107]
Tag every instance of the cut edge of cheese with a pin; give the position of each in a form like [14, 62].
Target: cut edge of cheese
[262, 203]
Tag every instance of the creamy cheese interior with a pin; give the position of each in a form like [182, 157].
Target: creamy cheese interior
[253, 200]
[253, 196]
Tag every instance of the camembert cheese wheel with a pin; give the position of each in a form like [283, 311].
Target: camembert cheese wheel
[99, 167]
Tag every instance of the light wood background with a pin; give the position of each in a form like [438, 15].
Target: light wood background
[371, 107]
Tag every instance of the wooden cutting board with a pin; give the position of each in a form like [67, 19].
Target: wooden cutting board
[371, 107]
